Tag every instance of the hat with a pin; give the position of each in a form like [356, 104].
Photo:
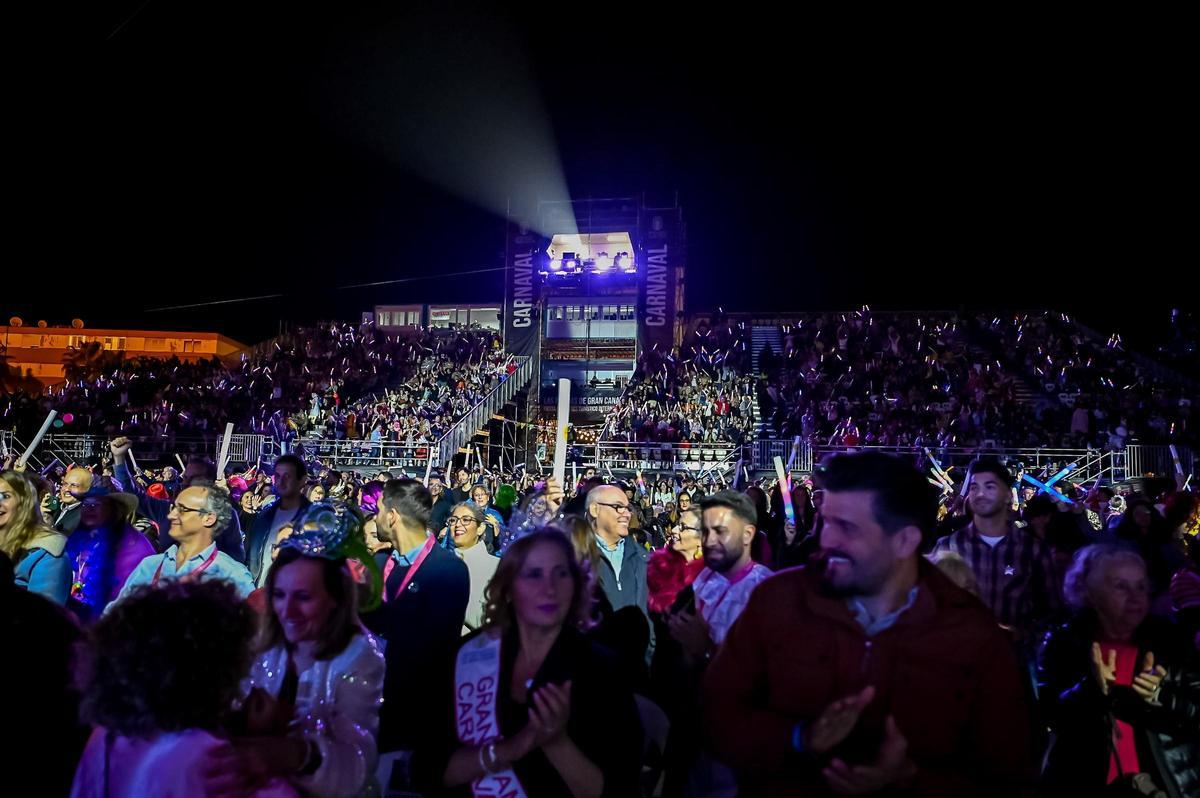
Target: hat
[331, 531]
[158, 491]
[126, 501]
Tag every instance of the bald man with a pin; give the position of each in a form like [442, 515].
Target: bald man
[623, 562]
[77, 482]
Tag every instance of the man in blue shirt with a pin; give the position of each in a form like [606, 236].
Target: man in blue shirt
[198, 515]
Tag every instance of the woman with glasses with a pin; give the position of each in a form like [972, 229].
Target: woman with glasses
[673, 568]
[466, 526]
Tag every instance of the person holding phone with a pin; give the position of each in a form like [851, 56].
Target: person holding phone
[535, 701]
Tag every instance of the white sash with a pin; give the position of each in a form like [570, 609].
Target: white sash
[476, 680]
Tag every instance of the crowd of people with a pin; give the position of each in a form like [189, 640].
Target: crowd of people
[1094, 393]
[331, 380]
[296, 631]
[945, 380]
[700, 394]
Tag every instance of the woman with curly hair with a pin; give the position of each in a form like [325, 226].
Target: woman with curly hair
[556, 722]
[162, 674]
[37, 551]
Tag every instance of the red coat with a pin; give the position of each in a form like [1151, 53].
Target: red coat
[944, 670]
[667, 573]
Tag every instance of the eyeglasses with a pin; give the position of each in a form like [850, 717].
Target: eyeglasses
[695, 529]
[620, 508]
[455, 520]
[181, 509]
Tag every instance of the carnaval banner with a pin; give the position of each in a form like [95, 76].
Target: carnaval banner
[661, 255]
[520, 291]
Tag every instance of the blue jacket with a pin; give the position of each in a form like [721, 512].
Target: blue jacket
[229, 541]
[45, 569]
[256, 538]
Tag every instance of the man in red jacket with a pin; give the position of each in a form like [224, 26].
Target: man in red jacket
[870, 671]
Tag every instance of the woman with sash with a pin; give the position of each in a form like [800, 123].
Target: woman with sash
[538, 711]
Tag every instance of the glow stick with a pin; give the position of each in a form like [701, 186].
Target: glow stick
[1175, 459]
[133, 462]
[1046, 488]
[182, 467]
[24, 458]
[641, 483]
[785, 490]
[223, 458]
[429, 466]
[792, 456]
[560, 432]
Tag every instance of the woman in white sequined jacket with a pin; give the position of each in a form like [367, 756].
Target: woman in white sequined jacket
[318, 681]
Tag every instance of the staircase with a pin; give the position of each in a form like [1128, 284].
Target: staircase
[761, 336]
[462, 436]
[1023, 392]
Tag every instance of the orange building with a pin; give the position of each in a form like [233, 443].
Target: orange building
[39, 352]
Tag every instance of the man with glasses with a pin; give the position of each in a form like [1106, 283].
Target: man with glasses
[623, 563]
[197, 517]
[443, 503]
[229, 540]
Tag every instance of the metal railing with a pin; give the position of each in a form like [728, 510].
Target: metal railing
[649, 456]
[1089, 464]
[479, 415]
[366, 454]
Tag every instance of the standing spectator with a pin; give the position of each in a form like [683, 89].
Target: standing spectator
[425, 595]
[163, 672]
[466, 529]
[882, 674]
[103, 550]
[289, 490]
[197, 517]
[1120, 687]
[316, 685]
[77, 482]
[557, 723]
[37, 551]
[1014, 569]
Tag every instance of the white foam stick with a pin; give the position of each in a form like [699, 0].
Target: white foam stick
[133, 462]
[24, 458]
[792, 456]
[429, 467]
[560, 431]
[3, 448]
[1175, 459]
[575, 474]
[479, 457]
[223, 457]
[182, 467]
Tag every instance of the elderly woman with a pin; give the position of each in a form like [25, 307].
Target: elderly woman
[1120, 688]
[466, 530]
[557, 722]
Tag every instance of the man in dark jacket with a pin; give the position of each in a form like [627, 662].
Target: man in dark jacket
[288, 477]
[881, 674]
[425, 591]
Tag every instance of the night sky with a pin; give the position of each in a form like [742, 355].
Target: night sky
[214, 150]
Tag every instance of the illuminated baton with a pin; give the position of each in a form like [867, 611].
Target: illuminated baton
[182, 467]
[1046, 488]
[641, 483]
[429, 466]
[24, 458]
[223, 457]
[560, 439]
[133, 462]
[785, 488]
[1175, 459]
[792, 456]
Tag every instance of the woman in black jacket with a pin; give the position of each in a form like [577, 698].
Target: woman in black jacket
[1120, 689]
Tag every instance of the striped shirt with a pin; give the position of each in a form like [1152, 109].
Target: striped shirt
[1017, 579]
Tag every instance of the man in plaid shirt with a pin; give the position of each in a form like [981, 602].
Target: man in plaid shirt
[1016, 574]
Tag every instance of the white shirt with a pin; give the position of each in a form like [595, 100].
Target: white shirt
[721, 599]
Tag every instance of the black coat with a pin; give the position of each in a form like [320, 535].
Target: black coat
[1081, 716]
[422, 629]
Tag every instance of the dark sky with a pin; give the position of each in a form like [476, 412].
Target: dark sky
[211, 150]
